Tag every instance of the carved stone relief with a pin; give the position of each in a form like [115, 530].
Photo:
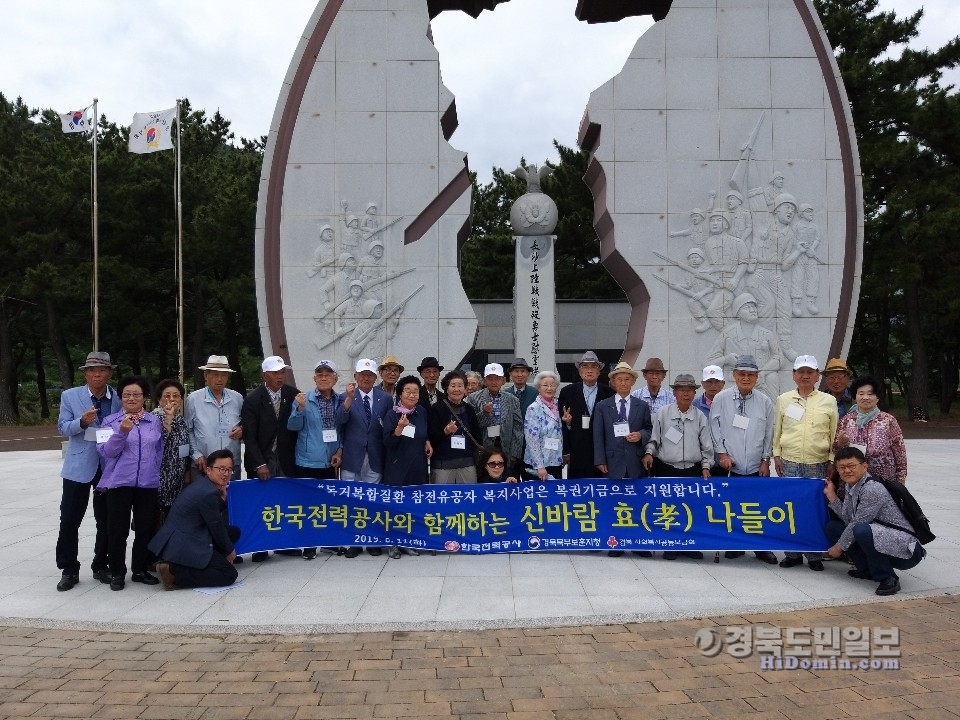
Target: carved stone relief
[752, 271]
[724, 170]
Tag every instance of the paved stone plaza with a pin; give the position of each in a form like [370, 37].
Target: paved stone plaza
[521, 637]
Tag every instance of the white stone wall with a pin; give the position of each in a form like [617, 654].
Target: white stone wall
[367, 157]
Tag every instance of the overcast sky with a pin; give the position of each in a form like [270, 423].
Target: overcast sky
[522, 74]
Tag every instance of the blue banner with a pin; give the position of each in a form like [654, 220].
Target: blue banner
[786, 514]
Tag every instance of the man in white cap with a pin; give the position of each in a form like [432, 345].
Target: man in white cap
[268, 444]
[577, 402]
[713, 383]
[741, 426]
[82, 410]
[498, 414]
[805, 424]
[359, 421]
[212, 414]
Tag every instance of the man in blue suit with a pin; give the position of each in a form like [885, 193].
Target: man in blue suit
[195, 544]
[82, 410]
[361, 430]
[621, 428]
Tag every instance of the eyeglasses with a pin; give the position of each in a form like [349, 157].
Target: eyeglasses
[131, 396]
[221, 469]
[495, 464]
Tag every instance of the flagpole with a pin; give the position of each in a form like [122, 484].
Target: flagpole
[179, 249]
[96, 239]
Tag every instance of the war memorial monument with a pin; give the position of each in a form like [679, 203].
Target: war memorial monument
[723, 166]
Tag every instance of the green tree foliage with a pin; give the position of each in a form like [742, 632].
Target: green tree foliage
[907, 126]
[46, 240]
[487, 258]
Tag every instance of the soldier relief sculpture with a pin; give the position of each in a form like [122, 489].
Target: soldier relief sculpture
[751, 269]
[352, 309]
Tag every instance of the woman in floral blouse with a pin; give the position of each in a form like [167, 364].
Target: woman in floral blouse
[175, 468]
[542, 430]
[875, 432]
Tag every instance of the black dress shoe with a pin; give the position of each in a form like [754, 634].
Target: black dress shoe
[259, 556]
[815, 565]
[290, 553]
[859, 574]
[103, 575]
[670, 555]
[643, 553]
[351, 552]
[615, 553]
[766, 556]
[309, 553]
[375, 551]
[890, 586]
[238, 560]
[733, 554]
[116, 582]
[695, 554]
[67, 581]
[789, 562]
[145, 578]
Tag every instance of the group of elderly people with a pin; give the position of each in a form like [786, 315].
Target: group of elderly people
[405, 430]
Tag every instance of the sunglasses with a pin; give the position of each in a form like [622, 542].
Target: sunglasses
[495, 463]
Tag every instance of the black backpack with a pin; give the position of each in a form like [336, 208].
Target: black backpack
[910, 508]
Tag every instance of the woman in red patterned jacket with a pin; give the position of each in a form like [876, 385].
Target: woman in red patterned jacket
[876, 433]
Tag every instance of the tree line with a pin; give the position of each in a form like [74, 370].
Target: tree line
[46, 244]
[907, 123]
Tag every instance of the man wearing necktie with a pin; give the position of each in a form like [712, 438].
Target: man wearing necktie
[360, 426]
[268, 444]
[621, 427]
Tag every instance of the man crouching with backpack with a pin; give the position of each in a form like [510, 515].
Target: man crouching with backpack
[872, 530]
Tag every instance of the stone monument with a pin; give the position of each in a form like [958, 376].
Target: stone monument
[727, 186]
[364, 204]
[723, 166]
[533, 218]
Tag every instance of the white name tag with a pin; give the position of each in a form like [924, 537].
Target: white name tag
[861, 448]
[330, 435]
[493, 431]
[585, 422]
[551, 443]
[103, 434]
[621, 429]
[409, 431]
[90, 433]
[458, 442]
[795, 411]
[741, 421]
[223, 431]
[183, 451]
[673, 435]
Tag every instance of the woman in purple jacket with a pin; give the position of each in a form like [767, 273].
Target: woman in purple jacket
[131, 445]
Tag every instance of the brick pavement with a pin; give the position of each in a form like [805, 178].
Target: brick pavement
[617, 672]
